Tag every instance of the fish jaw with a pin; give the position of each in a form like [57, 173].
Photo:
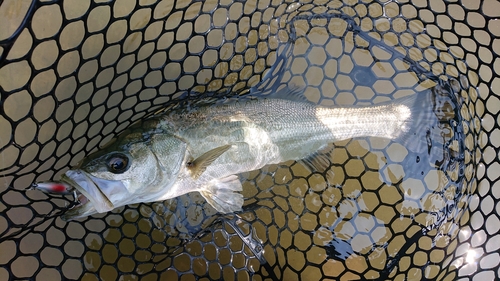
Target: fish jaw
[93, 200]
[80, 211]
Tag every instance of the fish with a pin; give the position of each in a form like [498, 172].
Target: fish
[205, 146]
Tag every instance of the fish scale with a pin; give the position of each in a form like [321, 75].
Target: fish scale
[202, 147]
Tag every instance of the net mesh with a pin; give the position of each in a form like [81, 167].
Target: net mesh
[74, 74]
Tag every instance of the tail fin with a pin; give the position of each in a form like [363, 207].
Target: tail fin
[432, 112]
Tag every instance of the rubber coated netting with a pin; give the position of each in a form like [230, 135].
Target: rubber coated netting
[75, 73]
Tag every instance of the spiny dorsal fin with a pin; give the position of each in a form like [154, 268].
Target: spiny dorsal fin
[200, 164]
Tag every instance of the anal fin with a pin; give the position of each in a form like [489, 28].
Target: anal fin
[319, 160]
[223, 194]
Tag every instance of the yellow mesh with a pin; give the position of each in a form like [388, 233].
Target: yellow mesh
[75, 73]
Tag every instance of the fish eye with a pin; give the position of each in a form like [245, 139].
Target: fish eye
[118, 163]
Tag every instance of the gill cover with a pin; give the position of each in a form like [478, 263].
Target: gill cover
[138, 167]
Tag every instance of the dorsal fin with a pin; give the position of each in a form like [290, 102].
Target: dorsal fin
[285, 92]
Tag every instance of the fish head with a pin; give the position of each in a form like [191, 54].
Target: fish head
[138, 167]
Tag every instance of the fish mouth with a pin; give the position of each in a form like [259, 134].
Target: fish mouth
[89, 197]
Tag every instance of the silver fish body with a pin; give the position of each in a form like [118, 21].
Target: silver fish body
[202, 149]
[271, 131]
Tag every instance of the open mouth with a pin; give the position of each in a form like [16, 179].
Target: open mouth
[89, 198]
[77, 190]
[80, 198]
[82, 205]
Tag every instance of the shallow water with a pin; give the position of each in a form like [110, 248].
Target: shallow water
[378, 197]
[380, 209]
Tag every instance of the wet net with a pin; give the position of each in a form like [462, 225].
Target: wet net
[74, 74]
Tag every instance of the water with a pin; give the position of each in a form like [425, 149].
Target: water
[378, 204]
[378, 198]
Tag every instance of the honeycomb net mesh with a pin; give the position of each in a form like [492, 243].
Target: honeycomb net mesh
[74, 74]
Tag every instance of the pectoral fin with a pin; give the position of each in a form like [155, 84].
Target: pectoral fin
[200, 164]
[222, 194]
